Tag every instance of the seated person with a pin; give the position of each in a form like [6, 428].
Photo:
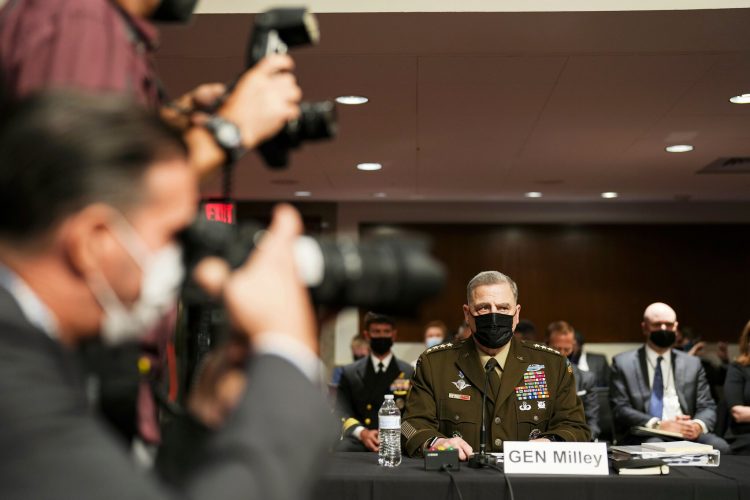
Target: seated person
[462, 333]
[360, 349]
[715, 362]
[531, 391]
[365, 383]
[560, 337]
[662, 388]
[525, 330]
[737, 394]
[590, 361]
[435, 333]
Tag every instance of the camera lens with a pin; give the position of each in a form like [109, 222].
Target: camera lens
[317, 121]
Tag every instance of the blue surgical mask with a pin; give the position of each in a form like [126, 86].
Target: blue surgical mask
[433, 341]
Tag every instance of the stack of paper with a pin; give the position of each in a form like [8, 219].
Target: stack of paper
[685, 447]
[676, 453]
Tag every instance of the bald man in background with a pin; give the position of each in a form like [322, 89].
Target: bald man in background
[661, 388]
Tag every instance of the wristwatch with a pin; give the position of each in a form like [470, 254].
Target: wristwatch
[227, 136]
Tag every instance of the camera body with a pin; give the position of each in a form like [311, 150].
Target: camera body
[390, 274]
[275, 32]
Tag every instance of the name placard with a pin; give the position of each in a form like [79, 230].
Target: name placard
[525, 457]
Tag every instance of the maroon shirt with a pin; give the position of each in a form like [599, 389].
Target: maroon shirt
[89, 44]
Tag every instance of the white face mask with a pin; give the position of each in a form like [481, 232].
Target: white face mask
[162, 274]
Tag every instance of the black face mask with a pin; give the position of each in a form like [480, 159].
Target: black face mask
[494, 330]
[662, 338]
[174, 11]
[380, 345]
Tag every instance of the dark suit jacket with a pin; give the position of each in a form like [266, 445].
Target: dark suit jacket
[585, 389]
[630, 392]
[360, 393]
[52, 446]
[599, 367]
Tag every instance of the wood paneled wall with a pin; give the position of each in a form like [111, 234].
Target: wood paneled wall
[600, 278]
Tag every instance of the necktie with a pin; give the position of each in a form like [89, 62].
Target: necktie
[656, 406]
[381, 368]
[494, 377]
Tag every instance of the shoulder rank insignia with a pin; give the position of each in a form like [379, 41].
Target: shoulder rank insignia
[438, 347]
[542, 347]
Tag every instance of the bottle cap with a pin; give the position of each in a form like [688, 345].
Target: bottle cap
[388, 397]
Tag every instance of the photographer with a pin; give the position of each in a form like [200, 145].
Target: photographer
[96, 191]
[109, 45]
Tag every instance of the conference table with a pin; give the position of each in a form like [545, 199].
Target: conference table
[358, 476]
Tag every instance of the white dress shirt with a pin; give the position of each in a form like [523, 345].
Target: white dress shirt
[386, 361]
[375, 362]
[33, 309]
[671, 408]
[583, 362]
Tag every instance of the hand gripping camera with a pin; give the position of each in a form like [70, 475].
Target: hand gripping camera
[275, 32]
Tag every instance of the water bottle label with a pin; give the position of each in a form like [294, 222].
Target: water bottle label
[389, 422]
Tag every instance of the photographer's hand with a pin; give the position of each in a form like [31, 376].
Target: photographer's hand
[194, 107]
[265, 297]
[263, 100]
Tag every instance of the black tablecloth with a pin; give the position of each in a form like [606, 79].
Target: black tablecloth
[358, 476]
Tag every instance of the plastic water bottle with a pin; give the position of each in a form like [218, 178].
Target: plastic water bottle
[389, 431]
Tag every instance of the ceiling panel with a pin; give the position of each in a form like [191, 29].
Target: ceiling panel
[487, 106]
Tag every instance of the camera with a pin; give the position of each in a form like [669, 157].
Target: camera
[392, 274]
[275, 32]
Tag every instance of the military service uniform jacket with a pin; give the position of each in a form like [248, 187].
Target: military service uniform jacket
[361, 392]
[537, 398]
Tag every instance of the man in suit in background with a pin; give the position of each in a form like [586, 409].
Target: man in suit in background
[661, 388]
[96, 191]
[364, 384]
[360, 349]
[560, 337]
[590, 362]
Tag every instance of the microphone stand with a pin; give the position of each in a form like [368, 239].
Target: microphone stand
[482, 459]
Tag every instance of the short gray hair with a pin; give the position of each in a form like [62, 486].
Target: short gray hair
[490, 278]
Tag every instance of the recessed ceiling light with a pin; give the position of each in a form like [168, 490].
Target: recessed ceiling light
[351, 100]
[369, 167]
[302, 193]
[380, 195]
[679, 148]
[533, 194]
[740, 99]
[609, 195]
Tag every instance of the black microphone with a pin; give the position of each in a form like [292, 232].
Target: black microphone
[481, 459]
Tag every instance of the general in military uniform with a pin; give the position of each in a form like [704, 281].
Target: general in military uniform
[531, 392]
[365, 383]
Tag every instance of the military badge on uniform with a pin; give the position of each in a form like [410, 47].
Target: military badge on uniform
[525, 407]
[534, 384]
[461, 384]
[400, 386]
[541, 405]
[462, 397]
